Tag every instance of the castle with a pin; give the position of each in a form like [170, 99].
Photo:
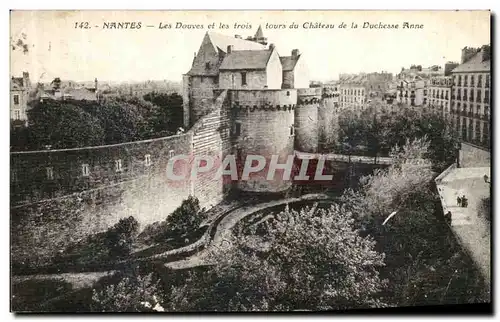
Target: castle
[240, 98]
[268, 106]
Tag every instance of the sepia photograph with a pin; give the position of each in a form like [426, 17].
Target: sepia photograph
[250, 161]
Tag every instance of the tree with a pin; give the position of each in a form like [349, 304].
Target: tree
[424, 263]
[56, 84]
[380, 130]
[168, 117]
[121, 120]
[130, 294]
[62, 125]
[181, 223]
[312, 259]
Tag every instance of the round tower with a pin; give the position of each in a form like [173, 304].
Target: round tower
[328, 114]
[263, 128]
[306, 119]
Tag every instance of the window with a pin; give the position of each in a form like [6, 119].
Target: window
[292, 130]
[472, 80]
[118, 165]
[16, 99]
[207, 65]
[243, 78]
[147, 160]
[237, 128]
[50, 173]
[487, 83]
[465, 80]
[85, 170]
[17, 114]
[486, 96]
[13, 176]
[171, 153]
[480, 81]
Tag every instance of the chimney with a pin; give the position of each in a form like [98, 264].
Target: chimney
[467, 54]
[237, 37]
[295, 53]
[26, 79]
[449, 67]
[229, 49]
[271, 47]
[486, 53]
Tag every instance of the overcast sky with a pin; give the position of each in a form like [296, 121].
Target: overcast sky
[57, 49]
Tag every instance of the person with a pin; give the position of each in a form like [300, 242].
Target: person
[459, 201]
[447, 217]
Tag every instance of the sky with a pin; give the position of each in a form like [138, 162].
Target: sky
[55, 48]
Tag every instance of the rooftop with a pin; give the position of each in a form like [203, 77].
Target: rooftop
[475, 64]
[221, 42]
[246, 59]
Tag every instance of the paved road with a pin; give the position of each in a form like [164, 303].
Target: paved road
[224, 230]
[469, 223]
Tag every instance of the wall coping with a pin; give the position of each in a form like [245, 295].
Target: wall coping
[443, 174]
[485, 149]
[164, 138]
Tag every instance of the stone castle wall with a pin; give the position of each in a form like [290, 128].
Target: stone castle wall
[48, 213]
[471, 156]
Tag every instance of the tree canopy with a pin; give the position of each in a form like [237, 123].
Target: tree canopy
[75, 123]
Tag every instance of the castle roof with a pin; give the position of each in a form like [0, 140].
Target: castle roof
[288, 62]
[221, 42]
[474, 64]
[209, 66]
[246, 59]
[80, 93]
[259, 33]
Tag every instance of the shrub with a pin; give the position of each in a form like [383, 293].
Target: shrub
[181, 224]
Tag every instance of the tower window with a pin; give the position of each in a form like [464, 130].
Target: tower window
[147, 160]
[292, 130]
[50, 173]
[243, 78]
[17, 114]
[16, 99]
[171, 153]
[237, 129]
[85, 170]
[118, 165]
[207, 65]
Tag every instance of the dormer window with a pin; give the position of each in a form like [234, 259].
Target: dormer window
[207, 65]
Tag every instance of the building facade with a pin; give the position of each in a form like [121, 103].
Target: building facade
[20, 88]
[439, 94]
[471, 94]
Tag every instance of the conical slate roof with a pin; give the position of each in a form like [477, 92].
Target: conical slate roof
[259, 33]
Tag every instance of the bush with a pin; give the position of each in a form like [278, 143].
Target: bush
[130, 294]
[181, 224]
[115, 243]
